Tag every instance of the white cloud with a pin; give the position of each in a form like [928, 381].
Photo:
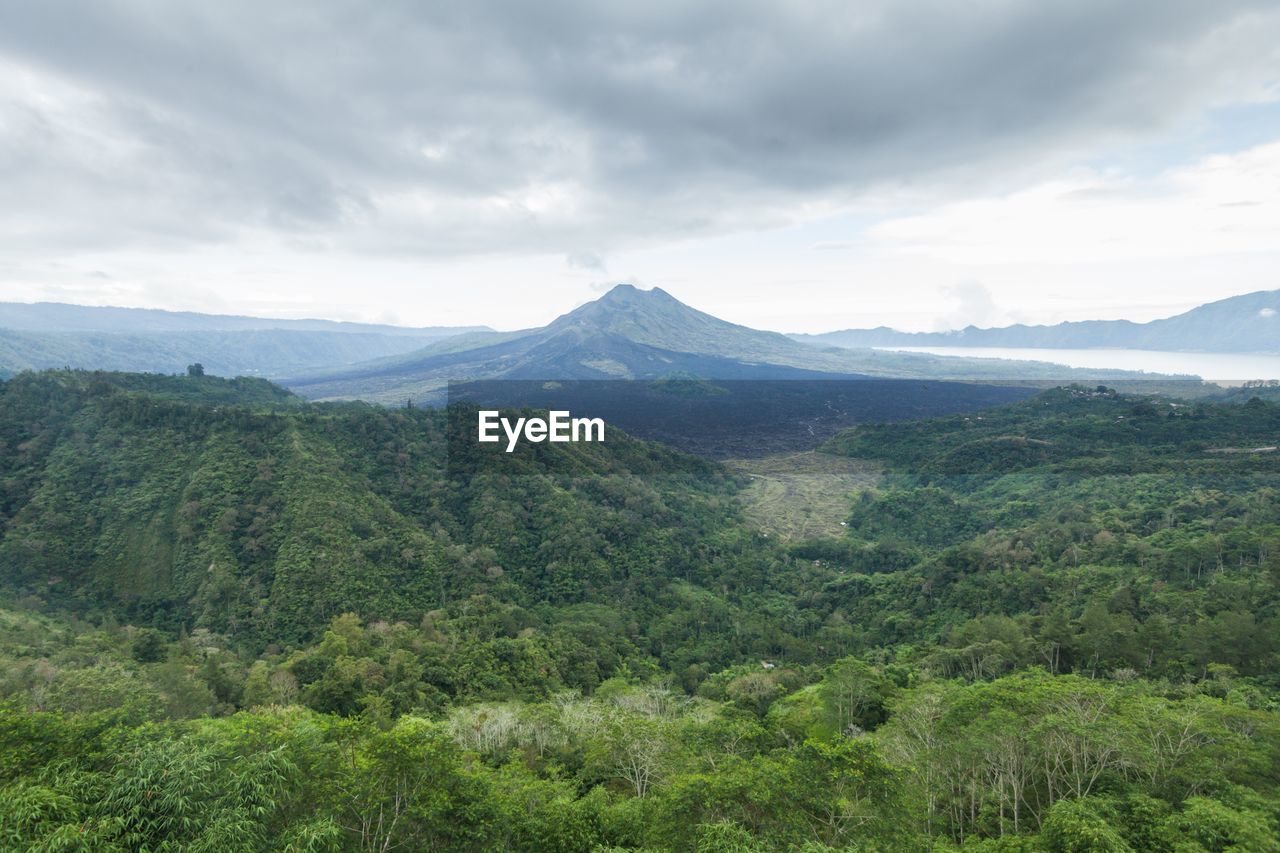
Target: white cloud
[1223, 204]
[974, 306]
[464, 162]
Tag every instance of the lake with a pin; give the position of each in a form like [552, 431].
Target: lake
[1217, 366]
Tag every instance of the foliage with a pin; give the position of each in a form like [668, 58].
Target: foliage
[270, 625]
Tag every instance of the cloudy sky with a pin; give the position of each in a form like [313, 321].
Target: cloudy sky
[800, 165]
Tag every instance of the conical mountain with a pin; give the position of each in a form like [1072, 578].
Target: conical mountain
[656, 318]
[629, 333]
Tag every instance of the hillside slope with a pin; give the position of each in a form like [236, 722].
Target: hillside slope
[254, 617]
[266, 520]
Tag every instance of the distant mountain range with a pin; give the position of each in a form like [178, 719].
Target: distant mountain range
[62, 317]
[47, 334]
[1247, 323]
[639, 334]
[626, 334]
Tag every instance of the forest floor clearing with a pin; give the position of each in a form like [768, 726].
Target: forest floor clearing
[802, 495]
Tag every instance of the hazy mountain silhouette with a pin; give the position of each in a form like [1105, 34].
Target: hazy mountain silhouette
[1247, 323]
[41, 335]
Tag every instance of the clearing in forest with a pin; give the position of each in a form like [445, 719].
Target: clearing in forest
[802, 495]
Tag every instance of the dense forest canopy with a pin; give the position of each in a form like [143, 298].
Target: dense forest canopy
[235, 620]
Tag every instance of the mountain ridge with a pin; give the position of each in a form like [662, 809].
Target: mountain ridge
[627, 333]
[69, 317]
[43, 335]
[1249, 322]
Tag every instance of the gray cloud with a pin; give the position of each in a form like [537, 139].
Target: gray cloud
[420, 129]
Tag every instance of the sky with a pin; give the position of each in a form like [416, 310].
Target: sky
[802, 166]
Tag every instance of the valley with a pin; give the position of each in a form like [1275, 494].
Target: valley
[784, 564]
[580, 427]
[206, 581]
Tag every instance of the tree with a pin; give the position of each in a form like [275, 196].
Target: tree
[1076, 826]
[181, 793]
[853, 696]
[196, 369]
[636, 750]
[148, 646]
[1213, 825]
[406, 788]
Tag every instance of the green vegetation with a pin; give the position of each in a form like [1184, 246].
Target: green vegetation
[271, 625]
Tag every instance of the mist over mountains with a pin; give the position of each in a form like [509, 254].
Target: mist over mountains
[63, 317]
[44, 335]
[1245, 323]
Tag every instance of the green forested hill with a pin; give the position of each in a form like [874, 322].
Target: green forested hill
[266, 520]
[233, 620]
[1153, 525]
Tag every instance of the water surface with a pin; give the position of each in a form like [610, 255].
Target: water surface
[1214, 366]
